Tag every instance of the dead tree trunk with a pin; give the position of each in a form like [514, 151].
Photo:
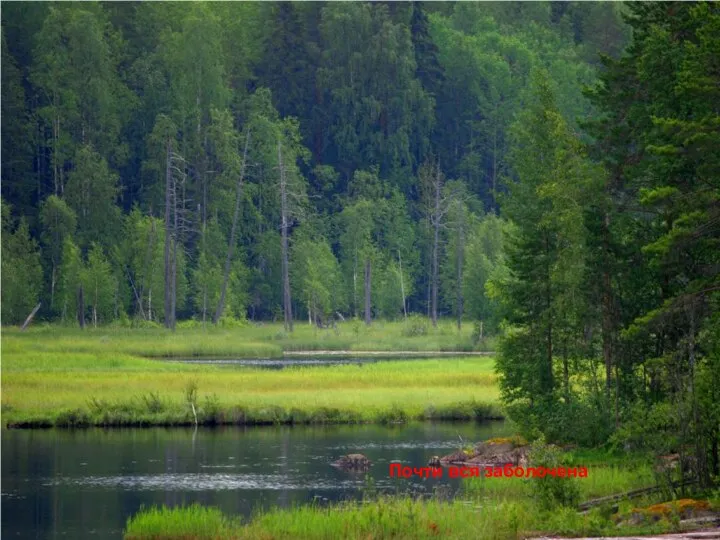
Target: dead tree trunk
[436, 242]
[168, 235]
[402, 286]
[30, 317]
[81, 307]
[231, 243]
[368, 304]
[173, 266]
[460, 252]
[287, 300]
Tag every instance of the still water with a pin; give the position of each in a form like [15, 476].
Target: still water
[306, 360]
[86, 483]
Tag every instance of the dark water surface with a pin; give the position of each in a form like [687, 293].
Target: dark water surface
[309, 360]
[86, 483]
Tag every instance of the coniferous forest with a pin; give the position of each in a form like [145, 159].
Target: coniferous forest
[547, 172]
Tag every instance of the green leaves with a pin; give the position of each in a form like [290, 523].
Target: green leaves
[21, 270]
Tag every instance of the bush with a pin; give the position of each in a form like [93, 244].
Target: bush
[415, 326]
[550, 490]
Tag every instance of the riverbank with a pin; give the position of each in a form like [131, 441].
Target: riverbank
[486, 509]
[392, 517]
[103, 377]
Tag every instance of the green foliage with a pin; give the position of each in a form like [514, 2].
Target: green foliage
[485, 270]
[96, 96]
[416, 325]
[100, 287]
[91, 192]
[21, 270]
[317, 277]
[551, 490]
[58, 222]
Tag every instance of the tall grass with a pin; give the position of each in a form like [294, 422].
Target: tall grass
[76, 378]
[602, 480]
[393, 517]
[249, 340]
[182, 522]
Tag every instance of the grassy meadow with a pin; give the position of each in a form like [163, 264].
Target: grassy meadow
[120, 376]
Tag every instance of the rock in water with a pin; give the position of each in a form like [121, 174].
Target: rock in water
[434, 461]
[352, 462]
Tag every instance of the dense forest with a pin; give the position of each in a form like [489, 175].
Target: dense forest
[548, 171]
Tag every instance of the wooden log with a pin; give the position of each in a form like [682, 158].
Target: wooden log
[630, 494]
[30, 317]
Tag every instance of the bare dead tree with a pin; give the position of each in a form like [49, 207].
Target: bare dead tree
[402, 286]
[459, 261]
[175, 223]
[368, 304]
[287, 300]
[231, 243]
[30, 317]
[440, 204]
[169, 188]
[437, 185]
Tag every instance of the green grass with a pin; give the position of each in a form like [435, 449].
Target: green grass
[601, 481]
[263, 340]
[61, 377]
[506, 511]
[393, 517]
[189, 522]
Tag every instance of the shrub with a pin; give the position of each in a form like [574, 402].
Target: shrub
[415, 326]
[550, 490]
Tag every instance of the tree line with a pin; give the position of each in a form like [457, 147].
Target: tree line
[215, 162]
[610, 305]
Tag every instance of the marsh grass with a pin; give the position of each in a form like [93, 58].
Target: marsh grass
[193, 521]
[262, 340]
[608, 474]
[400, 517]
[76, 379]
[601, 481]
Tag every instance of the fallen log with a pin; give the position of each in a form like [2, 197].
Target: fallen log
[631, 494]
[30, 317]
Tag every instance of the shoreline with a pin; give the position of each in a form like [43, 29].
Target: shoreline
[84, 419]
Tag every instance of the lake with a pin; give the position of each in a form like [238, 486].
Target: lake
[86, 483]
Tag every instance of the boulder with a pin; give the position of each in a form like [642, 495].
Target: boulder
[352, 462]
[494, 452]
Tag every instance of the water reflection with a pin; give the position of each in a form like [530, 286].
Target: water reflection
[85, 483]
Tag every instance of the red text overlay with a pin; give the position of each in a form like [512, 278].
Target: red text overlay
[508, 471]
